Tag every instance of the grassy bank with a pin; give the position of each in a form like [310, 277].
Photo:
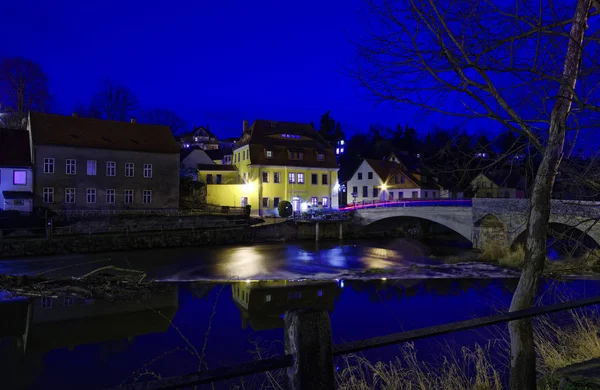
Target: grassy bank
[476, 368]
[588, 264]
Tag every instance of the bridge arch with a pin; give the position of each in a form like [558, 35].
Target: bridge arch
[581, 237]
[459, 220]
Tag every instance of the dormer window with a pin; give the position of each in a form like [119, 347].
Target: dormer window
[295, 155]
[320, 156]
[269, 153]
[273, 125]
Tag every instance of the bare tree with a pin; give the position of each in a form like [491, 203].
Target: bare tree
[114, 102]
[160, 116]
[23, 85]
[530, 67]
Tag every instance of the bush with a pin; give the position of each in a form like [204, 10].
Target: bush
[248, 210]
[285, 209]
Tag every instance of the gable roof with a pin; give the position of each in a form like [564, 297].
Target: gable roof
[73, 131]
[386, 170]
[14, 148]
[265, 135]
[506, 179]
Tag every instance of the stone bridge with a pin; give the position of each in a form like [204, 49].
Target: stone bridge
[493, 220]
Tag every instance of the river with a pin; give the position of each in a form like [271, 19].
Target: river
[93, 345]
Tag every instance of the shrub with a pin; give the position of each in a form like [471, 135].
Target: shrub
[285, 209]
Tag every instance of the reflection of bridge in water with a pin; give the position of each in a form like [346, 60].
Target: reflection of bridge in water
[483, 220]
[30, 328]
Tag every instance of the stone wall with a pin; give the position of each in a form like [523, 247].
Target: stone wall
[119, 242]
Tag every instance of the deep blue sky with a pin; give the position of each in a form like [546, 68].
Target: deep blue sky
[214, 62]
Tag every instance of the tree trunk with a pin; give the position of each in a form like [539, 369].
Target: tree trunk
[523, 370]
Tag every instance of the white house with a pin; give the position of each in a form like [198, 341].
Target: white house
[382, 180]
[190, 159]
[16, 171]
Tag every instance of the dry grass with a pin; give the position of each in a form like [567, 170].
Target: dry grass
[503, 256]
[472, 370]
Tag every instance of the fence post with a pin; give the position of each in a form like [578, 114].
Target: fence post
[308, 339]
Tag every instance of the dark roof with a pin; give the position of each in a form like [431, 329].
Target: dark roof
[14, 148]
[102, 134]
[17, 194]
[216, 167]
[412, 163]
[215, 154]
[386, 170]
[507, 179]
[190, 134]
[267, 135]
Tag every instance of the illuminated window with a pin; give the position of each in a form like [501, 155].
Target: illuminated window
[20, 178]
[291, 178]
[268, 298]
[91, 167]
[314, 201]
[269, 153]
[300, 178]
[325, 201]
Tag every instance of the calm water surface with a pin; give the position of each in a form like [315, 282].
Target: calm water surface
[94, 345]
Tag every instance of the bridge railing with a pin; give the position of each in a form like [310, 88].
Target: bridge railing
[310, 352]
[409, 203]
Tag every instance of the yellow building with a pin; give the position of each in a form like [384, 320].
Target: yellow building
[286, 161]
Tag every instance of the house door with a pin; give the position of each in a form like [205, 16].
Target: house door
[296, 204]
[244, 201]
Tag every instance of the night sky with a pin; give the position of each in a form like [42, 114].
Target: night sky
[213, 62]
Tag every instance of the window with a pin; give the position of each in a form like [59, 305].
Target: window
[354, 190]
[69, 195]
[276, 177]
[365, 192]
[265, 177]
[147, 196]
[324, 179]
[400, 195]
[402, 179]
[110, 196]
[325, 201]
[128, 196]
[415, 194]
[46, 302]
[320, 293]
[391, 196]
[370, 175]
[375, 192]
[426, 194]
[147, 171]
[275, 202]
[359, 175]
[91, 195]
[265, 203]
[244, 201]
[209, 179]
[320, 156]
[314, 201]
[111, 168]
[396, 179]
[219, 178]
[129, 169]
[48, 195]
[49, 165]
[314, 178]
[269, 153]
[71, 167]
[483, 184]
[91, 167]
[68, 301]
[300, 178]
[268, 298]
[18, 202]
[19, 178]
[291, 177]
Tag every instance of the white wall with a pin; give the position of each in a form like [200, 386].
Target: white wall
[189, 165]
[6, 184]
[364, 168]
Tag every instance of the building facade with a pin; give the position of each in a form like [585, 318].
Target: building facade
[201, 137]
[16, 171]
[82, 163]
[384, 180]
[498, 185]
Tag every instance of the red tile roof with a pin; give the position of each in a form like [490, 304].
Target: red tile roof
[14, 148]
[102, 134]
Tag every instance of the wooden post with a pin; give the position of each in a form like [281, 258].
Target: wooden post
[317, 231]
[308, 339]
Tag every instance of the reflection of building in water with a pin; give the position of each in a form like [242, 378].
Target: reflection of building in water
[263, 304]
[30, 329]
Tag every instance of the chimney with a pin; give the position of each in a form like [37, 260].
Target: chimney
[75, 115]
[244, 126]
[133, 119]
